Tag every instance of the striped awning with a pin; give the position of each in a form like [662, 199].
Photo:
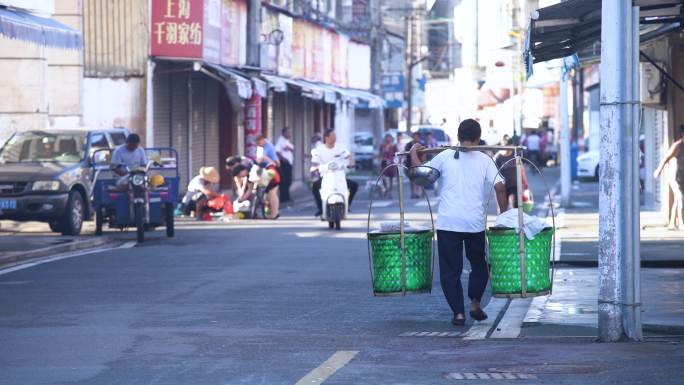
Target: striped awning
[21, 25]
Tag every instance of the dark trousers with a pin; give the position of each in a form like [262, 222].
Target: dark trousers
[285, 180]
[450, 247]
[351, 185]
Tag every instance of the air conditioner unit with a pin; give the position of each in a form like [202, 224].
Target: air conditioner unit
[651, 84]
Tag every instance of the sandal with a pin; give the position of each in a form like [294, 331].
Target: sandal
[478, 315]
[458, 321]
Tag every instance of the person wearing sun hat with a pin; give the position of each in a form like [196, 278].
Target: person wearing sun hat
[202, 188]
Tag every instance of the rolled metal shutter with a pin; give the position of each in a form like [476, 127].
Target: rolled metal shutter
[162, 111]
[197, 131]
[211, 127]
[179, 124]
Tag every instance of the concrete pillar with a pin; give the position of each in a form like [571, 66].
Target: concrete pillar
[618, 226]
[566, 165]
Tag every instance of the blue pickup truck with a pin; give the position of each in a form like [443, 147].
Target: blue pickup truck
[46, 175]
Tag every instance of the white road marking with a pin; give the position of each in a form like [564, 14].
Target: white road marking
[59, 257]
[337, 361]
[511, 323]
[536, 309]
[489, 376]
[479, 330]
[423, 203]
[382, 203]
[557, 247]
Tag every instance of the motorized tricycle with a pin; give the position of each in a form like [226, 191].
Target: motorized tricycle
[144, 199]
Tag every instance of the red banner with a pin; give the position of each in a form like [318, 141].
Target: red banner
[177, 28]
[252, 124]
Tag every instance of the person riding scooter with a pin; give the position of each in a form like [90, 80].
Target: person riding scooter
[328, 152]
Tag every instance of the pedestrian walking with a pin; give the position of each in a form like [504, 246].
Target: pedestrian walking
[416, 191]
[387, 153]
[533, 144]
[431, 142]
[466, 181]
[268, 159]
[675, 179]
[505, 162]
[285, 150]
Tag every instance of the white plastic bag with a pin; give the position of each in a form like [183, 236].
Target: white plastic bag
[532, 225]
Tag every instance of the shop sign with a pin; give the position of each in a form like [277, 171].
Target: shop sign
[327, 55]
[212, 31]
[309, 49]
[298, 49]
[340, 75]
[358, 66]
[285, 47]
[233, 32]
[318, 53]
[393, 88]
[269, 50]
[177, 28]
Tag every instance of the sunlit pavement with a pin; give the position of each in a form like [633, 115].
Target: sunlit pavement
[269, 302]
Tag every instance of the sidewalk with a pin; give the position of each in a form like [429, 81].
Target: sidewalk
[23, 241]
[572, 308]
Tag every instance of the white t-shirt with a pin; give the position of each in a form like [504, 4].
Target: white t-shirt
[322, 154]
[284, 147]
[465, 185]
[198, 183]
[533, 143]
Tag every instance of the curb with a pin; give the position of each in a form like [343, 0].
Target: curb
[675, 330]
[21, 256]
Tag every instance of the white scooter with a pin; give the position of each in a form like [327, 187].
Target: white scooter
[334, 193]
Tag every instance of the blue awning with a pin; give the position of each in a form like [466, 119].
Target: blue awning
[20, 25]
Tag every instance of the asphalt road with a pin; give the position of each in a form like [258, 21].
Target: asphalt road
[266, 303]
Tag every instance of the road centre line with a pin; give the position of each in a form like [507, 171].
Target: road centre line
[336, 362]
[59, 257]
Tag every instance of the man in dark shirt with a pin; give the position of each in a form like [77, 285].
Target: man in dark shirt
[506, 164]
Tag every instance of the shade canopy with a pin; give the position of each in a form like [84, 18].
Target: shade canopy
[21, 25]
[573, 26]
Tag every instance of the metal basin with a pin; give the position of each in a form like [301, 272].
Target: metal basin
[423, 175]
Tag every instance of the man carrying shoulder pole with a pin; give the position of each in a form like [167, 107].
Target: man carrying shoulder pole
[466, 179]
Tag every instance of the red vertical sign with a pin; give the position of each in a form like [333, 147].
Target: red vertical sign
[252, 124]
[177, 28]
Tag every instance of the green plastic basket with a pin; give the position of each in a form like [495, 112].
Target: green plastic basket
[504, 257]
[386, 261]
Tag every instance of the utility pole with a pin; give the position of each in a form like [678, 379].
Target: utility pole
[253, 33]
[377, 38]
[566, 166]
[409, 71]
[619, 261]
